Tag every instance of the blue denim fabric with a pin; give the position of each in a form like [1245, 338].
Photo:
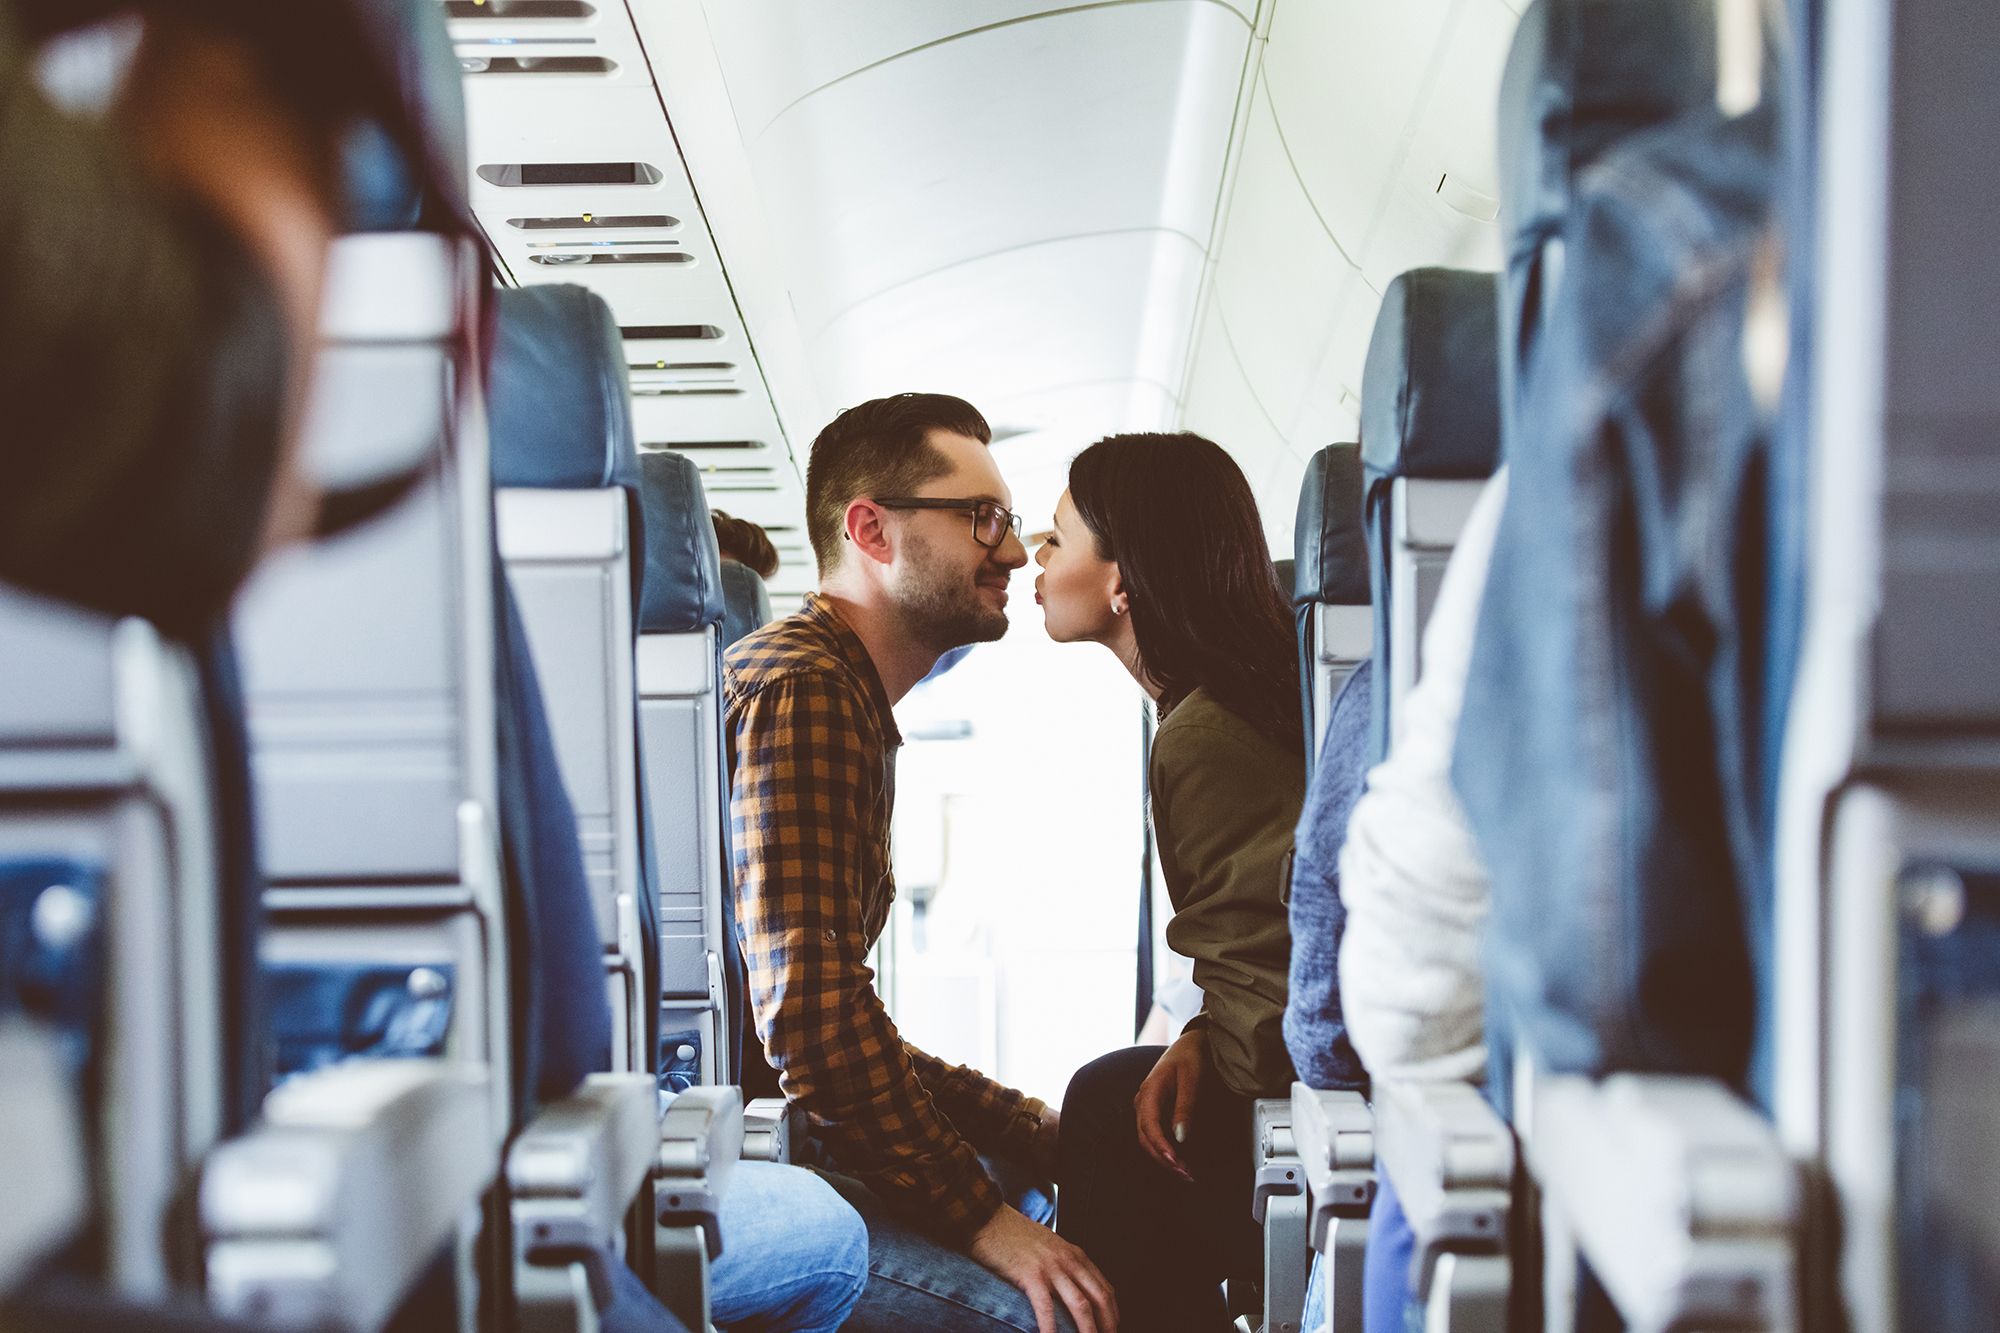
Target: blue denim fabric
[916, 1285]
[1605, 758]
[1315, 1032]
[794, 1254]
[1385, 1269]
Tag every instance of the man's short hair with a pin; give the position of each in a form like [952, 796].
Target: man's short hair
[741, 540]
[881, 447]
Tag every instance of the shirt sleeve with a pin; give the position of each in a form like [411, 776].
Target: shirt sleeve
[143, 364]
[996, 1118]
[1411, 878]
[1223, 837]
[802, 796]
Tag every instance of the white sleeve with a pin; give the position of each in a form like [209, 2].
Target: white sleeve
[1415, 889]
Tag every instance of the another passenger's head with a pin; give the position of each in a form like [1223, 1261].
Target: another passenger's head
[1158, 550]
[745, 542]
[904, 505]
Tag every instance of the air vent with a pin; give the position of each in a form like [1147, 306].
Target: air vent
[695, 446]
[612, 257]
[518, 9]
[670, 332]
[537, 65]
[622, 221]
[512, 175]
[727, 366]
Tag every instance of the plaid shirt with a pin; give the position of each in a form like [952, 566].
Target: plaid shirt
[812, 746]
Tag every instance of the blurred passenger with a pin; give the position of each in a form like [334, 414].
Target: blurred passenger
[1159, 555]
[745, 542]
[165, 279]
[1416, 894]
[1315, 1024]
[910, 523]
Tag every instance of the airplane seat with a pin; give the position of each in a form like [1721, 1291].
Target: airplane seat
[681, 614]
[1430, 438]
[1315, 1174]
[122, 913]
[567, 471]
[746, 601]
[1330, 591]
[1582, 80]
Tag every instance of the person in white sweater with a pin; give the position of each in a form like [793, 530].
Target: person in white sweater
[1417, 894]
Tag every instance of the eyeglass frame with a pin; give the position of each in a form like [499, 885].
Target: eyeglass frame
[970, 508]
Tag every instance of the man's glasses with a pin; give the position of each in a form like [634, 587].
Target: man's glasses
[990, 522]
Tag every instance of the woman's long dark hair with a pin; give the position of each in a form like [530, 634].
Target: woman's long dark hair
[1177, 515]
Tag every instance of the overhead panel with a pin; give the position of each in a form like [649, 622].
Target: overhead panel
[1221, 405]
[577, 178]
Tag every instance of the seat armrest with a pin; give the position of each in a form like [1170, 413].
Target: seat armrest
[1334, 1133]
[592, 1150]
[771, 1127]
[1451, 1159]
[327, 1213]
[1278, 1173]
[1678, 1193]
[701, 1140]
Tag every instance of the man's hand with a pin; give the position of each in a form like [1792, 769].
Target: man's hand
[1166, 1099]
[1047, 1268]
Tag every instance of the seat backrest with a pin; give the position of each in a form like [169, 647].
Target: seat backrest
[113, 906]
[1580, 76]
[368, 665]
[680, 724]
[746, 602]
[566, 469]
[1330, 594]
[1430, 437]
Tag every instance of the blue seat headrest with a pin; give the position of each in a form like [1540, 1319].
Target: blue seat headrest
[1580, 75]
[1330, 543]
[382, 188]
[559, 401]
[1430, 390]
[683, 582]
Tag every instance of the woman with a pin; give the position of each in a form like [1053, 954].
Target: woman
[1158, 554]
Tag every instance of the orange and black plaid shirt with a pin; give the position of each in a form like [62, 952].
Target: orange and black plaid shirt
[812, 745]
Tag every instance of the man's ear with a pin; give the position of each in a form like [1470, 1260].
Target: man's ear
[867, 531]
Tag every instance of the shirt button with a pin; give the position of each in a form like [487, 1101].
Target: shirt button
[830, 936]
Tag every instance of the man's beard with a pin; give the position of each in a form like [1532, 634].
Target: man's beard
[940, 607]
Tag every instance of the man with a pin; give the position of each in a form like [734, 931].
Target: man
[911, 526]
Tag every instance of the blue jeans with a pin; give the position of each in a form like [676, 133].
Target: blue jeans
[1385, 1272]
[918, 1285]
[794, 1255]
[794, 1258]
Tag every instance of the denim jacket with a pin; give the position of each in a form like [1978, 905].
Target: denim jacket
[1604, 758]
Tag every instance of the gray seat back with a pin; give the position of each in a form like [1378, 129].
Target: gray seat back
[108, 882]
[680, 722]
[566, 467]
[1430, 437]
[1330, 594]
[368, 662]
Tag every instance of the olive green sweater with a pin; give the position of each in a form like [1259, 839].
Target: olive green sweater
[1225, 801]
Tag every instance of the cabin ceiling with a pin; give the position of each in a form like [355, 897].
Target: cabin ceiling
[1085, 218]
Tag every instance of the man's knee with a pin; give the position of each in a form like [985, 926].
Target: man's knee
[794, 1253]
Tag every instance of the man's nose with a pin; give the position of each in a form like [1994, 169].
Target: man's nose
[1011, 553]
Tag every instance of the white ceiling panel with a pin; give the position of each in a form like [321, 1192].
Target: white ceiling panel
[1073, 312]
[1279, 276]
[1090, 122]
[1345, 77]
[787, 49]
[1085, 412]
[1220, 405]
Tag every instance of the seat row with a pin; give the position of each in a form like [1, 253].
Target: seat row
[369, 963]
[1724, 760]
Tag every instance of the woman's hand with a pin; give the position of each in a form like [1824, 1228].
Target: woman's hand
[1165, 1104]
